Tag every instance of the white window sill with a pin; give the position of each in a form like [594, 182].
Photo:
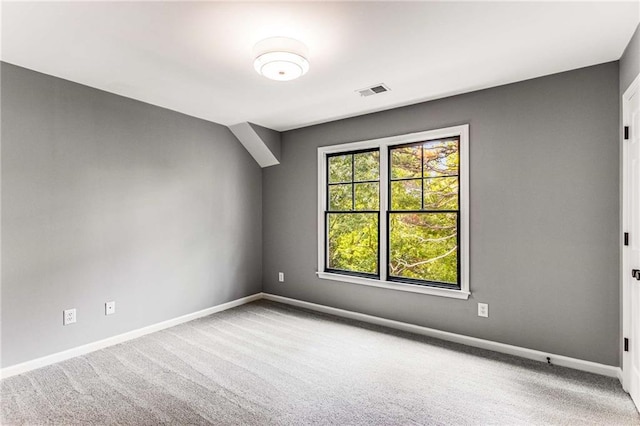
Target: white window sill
[412, 288]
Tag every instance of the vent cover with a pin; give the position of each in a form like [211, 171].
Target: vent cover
[373, 90]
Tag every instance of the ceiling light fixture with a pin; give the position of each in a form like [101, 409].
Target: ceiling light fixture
[280, 58]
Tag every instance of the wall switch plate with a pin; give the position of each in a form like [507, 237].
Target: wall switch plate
[281, 277]
[68, 316]
[110, 308]
[483, 310]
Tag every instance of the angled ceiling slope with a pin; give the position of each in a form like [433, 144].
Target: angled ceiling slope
[263, 144]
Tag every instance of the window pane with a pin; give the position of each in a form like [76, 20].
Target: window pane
[340, 168]
[367, 196]
[441, 193]
[406, 162]
[406, 194]
[367, 165]
[423, 246]
[441, 158]
[340, 197]
[353, 242]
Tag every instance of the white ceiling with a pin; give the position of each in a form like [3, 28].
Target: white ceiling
[196, 57]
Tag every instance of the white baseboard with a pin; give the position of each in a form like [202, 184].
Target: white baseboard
[564, 361]
[120, 338]
[561, 360]
[622, 381]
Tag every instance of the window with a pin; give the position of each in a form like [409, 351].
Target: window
[423, 212]
[353, 212]
[393, 212]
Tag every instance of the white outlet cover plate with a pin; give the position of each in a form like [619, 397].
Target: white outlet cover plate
[483, 310]
[69, 316]
[281, 277]
[110, 308]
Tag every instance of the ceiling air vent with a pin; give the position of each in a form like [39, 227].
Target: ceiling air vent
[373, 90]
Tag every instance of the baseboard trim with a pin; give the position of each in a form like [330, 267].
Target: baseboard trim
[120, 338]
[622, 381]
[561, 360]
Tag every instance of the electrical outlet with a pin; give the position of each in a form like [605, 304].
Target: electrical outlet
[69, 316]
[281, 277]
[110, 308]
[483, 310]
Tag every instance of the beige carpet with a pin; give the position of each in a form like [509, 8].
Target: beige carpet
[266, 363]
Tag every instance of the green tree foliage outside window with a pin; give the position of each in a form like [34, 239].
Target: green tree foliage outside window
[423, 212]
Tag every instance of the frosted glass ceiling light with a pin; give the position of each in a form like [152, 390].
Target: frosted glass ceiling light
[280, 58]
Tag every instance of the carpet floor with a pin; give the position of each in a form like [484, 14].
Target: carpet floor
[267, 363]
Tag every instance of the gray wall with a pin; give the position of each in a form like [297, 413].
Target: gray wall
[544, 215]
[106, 198]
[630, 61]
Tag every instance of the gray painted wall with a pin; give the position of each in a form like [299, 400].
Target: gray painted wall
[630, 61]
[107, 198]
[544, 215]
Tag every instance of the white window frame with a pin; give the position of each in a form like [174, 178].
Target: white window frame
[462, 132]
